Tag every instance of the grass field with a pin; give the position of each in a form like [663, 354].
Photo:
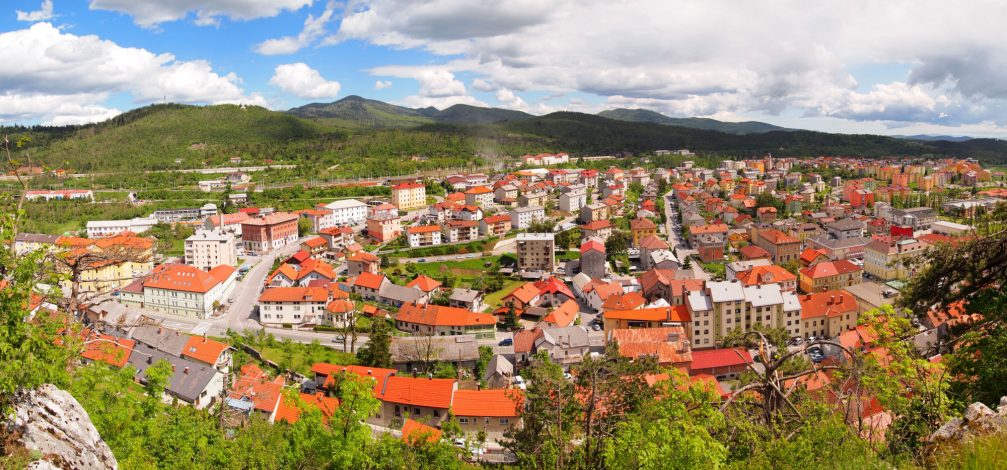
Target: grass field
[470, 268]
[302, 356]
[493, 299]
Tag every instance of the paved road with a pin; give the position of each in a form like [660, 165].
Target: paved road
[675, 237]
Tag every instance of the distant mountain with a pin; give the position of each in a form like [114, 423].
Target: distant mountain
[934, 138]
[355, 111]
[646, 115]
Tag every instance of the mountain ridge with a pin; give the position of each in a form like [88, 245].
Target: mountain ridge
[646, 115]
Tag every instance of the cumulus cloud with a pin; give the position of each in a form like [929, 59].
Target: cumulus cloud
[382, 84]
[62, 77]
[303, 81]
[706, 57]
[43, 13]
[314, 28]
[510, 100]
[438, 87]
[149, 13]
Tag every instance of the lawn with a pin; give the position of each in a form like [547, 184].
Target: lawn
[299, 357]
[568, 255]
[717, 270]
[466, 268]
[494, 299]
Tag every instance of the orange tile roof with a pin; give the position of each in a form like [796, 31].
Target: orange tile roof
[525, 293]
[430, 393]
[414, 432]
[827, 304]
[408, 186]
[777, 237]
[496, 403]
[369, 280]
[595, 225]
[479, 190]
[424, 283]
[204, 350]
[340, 306]
[253, 386]
[424, 229]
[653, 242]
[272, 219]
[668, 344]
[642, 224]
[181, 277]
[564, 315]
[676, 313]
[771, 274]
[592, 244]
[315, 242]
[496, 219]
[809, 255]
[830, 268]
[439, 315]
[330, 371]
[627, 301]
[363, 257]
[290, 412]
[108, 349]
[711, 228]
[606, 290]
[294, 294]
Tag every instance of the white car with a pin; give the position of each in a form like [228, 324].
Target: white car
[519, 382]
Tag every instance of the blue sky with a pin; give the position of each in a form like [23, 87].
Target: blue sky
[897, 67]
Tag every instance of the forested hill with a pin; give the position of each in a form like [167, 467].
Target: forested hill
[154, 137]
[646, 115]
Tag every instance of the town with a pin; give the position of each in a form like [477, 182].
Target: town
[472, 277]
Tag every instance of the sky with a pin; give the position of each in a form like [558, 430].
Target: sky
[885, 67]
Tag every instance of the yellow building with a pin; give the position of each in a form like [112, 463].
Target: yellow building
[407, 196]
[105, 264]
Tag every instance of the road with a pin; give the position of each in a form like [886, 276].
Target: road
[675, 237]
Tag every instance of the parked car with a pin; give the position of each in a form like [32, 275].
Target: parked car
[519, 382]
[421, 260]
[596, 327]
[507, 342]
[470, 256]
[338, 339]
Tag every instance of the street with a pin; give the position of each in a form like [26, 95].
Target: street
[673, 230]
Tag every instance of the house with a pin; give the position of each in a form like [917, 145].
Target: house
[424, 284]
[423, 235]
[751, 252]
[600, 229]
[423, 399]
[592, 212]
[887, 259]
[522, 217]
[415, 433]
[495, 225]
[348, 211]
[420, 353]
[491, 411]
[835, 248]
[294, 306]
[522, 297]
[473, 213]
[368, 284]
[593, 260]
[264, 234]
[315, 246]
[499, 372]
[830, 275]
[827, 314]
[532, 199]
[845, 228]
[108, 228]
[572, 201]
[668, 345]
[656, 317]
[811, 257]
[566, 345]
[180, 289]
[468, 299]
[253, 391]
[289, 410]
[781, 247]
[289, 274]
[641, 228]
[524, 344]
[564, 315]
[436, 320]
[724, 364]
[648, 245]
[321, 219]
[600, 292]
[506, 194]
[131, 258]
[769, 274]
[384, 227]
[663, 284]
[552, 292]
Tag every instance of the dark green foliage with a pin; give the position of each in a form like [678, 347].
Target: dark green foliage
[377, 351]
[645, 115]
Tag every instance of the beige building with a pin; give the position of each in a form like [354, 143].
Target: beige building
[208, 248]
[536, 252]
[827, 314]
[408, 196]
[724, 306]
[887, 261]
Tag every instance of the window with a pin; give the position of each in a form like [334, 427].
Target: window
[463, 420]
[504, 421]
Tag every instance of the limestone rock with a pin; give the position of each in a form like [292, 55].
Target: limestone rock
[51, 422]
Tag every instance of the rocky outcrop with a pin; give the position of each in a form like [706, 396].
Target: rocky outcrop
[978, 420]
[53, 424]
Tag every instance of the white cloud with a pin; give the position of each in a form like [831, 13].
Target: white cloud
[314, 28]
[382, 84]
[149, 13]
[712, 57]
[44, 13]
[438, 87]
[62, 77]
[509, 99]
[304, 82]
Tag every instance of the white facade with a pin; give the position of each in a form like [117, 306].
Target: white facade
[108, 228]
[348, 212]
[208, 248]
[188, 304]
[522, 217]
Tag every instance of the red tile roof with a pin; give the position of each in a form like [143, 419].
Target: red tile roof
[703, 229]
[592, 244]
[294, 294]
[718, 358]
[369, 280]
[753, 252]
[430, 393]
[204, 350]
[315, 242]
[108, 349]
[495, 403]
[564, 315]
[596, 225]
[676, 313]
[408, 186]
[627, 301]
[653, 242]
[181, 277]
[827, 304]
[414, 432]
[830, 268]
[330, 371]
[424, 283]
[524, 293]
[438, 315]
[290, 412]
[777, 237]
[424, 229]
[525, 339]
[668, 344]
[552, 286]
[759, 275]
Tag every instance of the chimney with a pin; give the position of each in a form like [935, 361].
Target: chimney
[369, 372]
[185, 371]
[150, 359]
[430, 376]
[160, 330]
[832, 299]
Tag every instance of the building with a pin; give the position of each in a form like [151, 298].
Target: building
[522, 217]
[479, 196]
[436, 320]
[194, 383]
[226, 222]
[887, 259]
[768, 274]
[655, 317]
[348, 211]
[533, 199]
[566, 345]
[188, 291]
[294, 306]
[593, 260]
[495, 225]
[593, 212]
[457, 231]
[536, 252]
[408, 196]
[600, 229]
[572, 201]
[29, 242]
[724, 364]
[108, 228]
[827, 314]
[59, 195]
[106, 264]
[321, 219]
[362, 262]
[728, 305]
[208, 248]
[421, 353]
[641, 228]
[919, 218]
[829, 275]
[267, 233]
[490, 412]
[423, 235]
[847, 228]
[669, 345]
[384, 228]
[781, 247]
[190, 214]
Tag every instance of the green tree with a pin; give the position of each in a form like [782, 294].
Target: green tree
[304, 226]
[445, 370]
[549, 417]
[158, 376]
[377, 351]
[617, 244]
[510, 320]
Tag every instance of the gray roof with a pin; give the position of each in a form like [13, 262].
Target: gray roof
[36, 238]
[399, 293]
[699, 302]
[726, 291]
[460, 348]
[846, 224]
[188, 381]
[163, 339]
[833, 243]
[498, 365]
[565, 337]
[459, 294]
